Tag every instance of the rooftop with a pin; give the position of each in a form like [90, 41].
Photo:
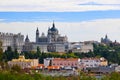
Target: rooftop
[65, 59]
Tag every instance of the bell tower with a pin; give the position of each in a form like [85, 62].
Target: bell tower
[27, 39]
[37, 35]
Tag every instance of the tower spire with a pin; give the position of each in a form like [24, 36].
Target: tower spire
[53, 24]
[37, 29]
[27, 39]
[106, 36]
[37, 34]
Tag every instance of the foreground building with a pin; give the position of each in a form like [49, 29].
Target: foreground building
[23, 63]
[66, 62]
[76, 62]
[15, 41]
[62, 62]
[93, 62]
[47, 62]
[100, 70]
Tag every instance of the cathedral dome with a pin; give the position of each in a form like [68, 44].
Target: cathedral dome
[106, 40]
[53, 28]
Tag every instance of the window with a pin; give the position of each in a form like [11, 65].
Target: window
[86, 61]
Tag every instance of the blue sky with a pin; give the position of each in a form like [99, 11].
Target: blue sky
[58, 16]
[80, 20]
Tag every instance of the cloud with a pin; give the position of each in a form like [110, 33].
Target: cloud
[100, 4]
[58, 5]
[76, 31]
[2, 20]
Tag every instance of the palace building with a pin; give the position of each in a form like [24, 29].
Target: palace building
[15, 41]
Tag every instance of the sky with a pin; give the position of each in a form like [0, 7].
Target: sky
[79, 20]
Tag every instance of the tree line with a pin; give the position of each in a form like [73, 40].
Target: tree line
[111, 53]
[14, 75]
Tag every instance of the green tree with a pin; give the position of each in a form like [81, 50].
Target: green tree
[1, 51]
[9, 54]
[16, 68]
[15, 54]
[38, 53]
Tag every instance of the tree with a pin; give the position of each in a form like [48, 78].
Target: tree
[71, 55]
[16, 68]
[15, 54]
[38, 49]
[9, 54]
[38, 52]
[1, 51]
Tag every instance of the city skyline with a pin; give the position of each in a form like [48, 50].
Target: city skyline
[79, 20]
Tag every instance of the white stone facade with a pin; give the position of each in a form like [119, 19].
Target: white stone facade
[52, 42]
[15, 41]
[79, 47]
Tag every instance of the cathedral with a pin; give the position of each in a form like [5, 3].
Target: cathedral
[52, 42]
[106, 40]
[53, 36]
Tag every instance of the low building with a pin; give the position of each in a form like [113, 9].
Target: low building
[47, 62]
[23, 63]
[117, 68]
[101, 69]
[80, 47]
[64, 62]
[93, 62]
[38, 67]
[53, 67]
[103, 62]
[76, 62]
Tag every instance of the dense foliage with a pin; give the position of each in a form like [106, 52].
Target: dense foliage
[111, 53]
[41, 56]
[9, 54]
[10, 75]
